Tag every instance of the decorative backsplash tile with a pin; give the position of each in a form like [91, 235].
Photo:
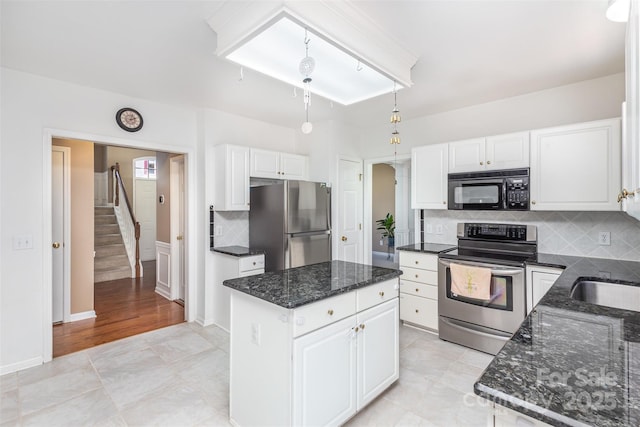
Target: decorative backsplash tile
[234, 226]
[566, 233]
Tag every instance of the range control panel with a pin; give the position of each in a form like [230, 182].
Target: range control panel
[514, 232]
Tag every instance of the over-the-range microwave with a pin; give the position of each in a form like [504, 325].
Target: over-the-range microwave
[506, 189]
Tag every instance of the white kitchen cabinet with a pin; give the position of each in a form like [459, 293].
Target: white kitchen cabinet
[419, 289]
[429, 169]
[631, 117]
[342, 367]
[505, 417]
[576, 167]
[539, 281]
[230, 267]
[272, 164]
[317, 364]
[231, 171]
[507, 151]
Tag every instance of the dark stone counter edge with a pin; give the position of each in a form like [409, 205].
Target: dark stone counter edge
[237, 251]
[315, 298]
[429, 248]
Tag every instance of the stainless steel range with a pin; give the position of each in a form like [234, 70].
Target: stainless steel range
[500, 251]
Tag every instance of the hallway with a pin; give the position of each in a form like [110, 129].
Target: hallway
[124, 307]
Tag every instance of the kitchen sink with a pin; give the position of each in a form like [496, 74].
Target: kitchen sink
[607, 294]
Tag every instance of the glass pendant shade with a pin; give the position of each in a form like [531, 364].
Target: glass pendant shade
[395, 137]
[395, 116]
[307, 65]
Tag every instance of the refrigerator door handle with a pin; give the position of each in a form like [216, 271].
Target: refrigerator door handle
[309, 233]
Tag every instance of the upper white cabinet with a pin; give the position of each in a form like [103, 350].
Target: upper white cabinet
[629, 193]
[576, 167]
[231, 173]
[429, 169]
[272, 164]
[507, 151]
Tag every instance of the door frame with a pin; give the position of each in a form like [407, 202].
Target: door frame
[336, 208]
[66, 234]
[47, 263]
[174, 226]
[368, 197]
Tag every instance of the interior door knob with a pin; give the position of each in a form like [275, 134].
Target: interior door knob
[179, 237]
[344, 238]
[55, 245]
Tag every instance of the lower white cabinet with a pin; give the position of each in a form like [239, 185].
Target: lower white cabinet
[230, 267]
[504, 417]
[321, 377]
[419, 289]
[539, 281]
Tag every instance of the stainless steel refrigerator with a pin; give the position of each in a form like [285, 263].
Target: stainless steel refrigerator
[291, 222]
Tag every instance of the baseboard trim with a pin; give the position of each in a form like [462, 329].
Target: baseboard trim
[19, 366]
[163, 293]
[74, 317]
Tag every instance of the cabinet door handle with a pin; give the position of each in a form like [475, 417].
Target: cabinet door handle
[381, 293]
[330, 312]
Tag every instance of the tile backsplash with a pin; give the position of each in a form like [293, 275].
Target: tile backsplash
[566, 233]
[234, 227]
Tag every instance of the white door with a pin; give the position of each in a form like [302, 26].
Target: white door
[378, 359]
[324, 372]
[349, 225]
[145, 212]
[177, 226]
[60, 245]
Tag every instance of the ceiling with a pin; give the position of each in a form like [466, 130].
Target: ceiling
[469, 52]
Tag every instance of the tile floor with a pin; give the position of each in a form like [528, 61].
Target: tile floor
[179, 376]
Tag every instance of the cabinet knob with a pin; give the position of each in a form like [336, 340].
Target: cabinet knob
[330, 312]
[444, 202]
[343, 238]
[55, 245]
[417, 290]
[362, 326]
[381, 293]
[488, 162]
[416, 310]
[416, 276]
[357, 329]
[533, 202]
[417, 262]
[254, 263]
[481, 163]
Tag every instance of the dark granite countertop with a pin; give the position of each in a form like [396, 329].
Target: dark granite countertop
[570, 362]
[294, 287]
[430, 248]
[239, 251]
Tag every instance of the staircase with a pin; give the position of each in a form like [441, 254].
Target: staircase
[111, 261]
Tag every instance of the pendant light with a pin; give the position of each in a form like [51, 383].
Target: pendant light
[395, 117]
[307, 65]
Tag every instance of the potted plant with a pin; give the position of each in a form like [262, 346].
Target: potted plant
[388, 226]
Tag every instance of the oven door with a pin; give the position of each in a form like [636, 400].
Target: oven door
[477, 194]
[504, 311]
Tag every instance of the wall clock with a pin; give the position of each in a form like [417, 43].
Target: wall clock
[129, 119]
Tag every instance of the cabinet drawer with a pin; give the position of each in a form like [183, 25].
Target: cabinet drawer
[418, 260]
[255, 262]
[376, 294]
[419, 311]
[417, 275]
[318, 314]
[419, 289]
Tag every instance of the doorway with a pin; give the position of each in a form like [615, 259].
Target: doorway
[185, 312]
[397, 172]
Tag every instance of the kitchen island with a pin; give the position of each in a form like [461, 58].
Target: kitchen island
[311, 345]
[571, 362]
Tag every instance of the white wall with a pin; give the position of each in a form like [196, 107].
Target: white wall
[29, 105]
[580, 102]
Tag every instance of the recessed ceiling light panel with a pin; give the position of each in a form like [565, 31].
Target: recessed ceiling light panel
[338, 75]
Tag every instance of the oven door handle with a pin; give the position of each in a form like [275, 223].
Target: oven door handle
[494, 271]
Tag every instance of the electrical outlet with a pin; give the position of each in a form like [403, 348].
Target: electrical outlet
[218, 230]
[604, 238]
[429, 228]
[255, 333]
[439, 229]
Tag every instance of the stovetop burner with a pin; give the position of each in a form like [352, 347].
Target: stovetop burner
[506, 244]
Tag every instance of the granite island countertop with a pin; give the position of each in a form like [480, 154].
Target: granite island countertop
[295, 287]
[571, 362]
[430, 248]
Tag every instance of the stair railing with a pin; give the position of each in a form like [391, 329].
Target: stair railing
[129, 227]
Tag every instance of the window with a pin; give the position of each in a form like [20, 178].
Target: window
[145, 168]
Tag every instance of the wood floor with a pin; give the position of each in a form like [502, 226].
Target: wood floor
[123, 308]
